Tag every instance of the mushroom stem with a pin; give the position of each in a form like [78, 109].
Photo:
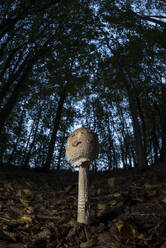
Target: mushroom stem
[83, 196]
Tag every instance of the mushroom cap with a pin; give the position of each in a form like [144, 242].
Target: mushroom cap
[82, 147]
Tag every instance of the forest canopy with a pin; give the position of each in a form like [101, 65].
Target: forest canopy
[98, 64]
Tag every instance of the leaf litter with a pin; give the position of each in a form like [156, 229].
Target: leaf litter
[128, 209]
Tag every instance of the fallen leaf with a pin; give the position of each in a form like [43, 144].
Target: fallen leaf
[99, 191]
[27, 192]
[116, 195]
[89, 243]
[113, 203]
[26, 219]
[104, 237]
[101, 206]
[9, 236]
[111, 181]
[163, 245]
[24, 202]
[119, 225]
[148, 186]
[164, 200]
[8, 186]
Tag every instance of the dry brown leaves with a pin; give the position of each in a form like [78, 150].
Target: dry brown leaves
[127, 210]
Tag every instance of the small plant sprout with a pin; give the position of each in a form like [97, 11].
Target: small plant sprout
[81, 149]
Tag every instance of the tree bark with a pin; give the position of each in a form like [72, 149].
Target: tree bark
[17, 141]
[31, 146]
[129, 86]
[144, 131]
[21, 13]
[27, 145]
[140, 154]
[5, 88]
[7, 109]
[55, 130]
[60, 154]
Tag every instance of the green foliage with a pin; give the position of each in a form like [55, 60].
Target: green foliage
[109, 58]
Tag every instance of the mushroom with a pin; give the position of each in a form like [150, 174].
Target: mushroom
[81, 149]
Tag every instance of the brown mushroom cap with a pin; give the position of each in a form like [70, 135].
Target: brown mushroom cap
[82, 147]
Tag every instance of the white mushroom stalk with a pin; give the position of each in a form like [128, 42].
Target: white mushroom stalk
[81, 150]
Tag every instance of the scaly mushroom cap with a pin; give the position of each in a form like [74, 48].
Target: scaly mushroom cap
[82, 147]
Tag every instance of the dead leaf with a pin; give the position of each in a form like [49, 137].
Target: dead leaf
[15, 210]
[99, 191]
[24, 202]
[119, 225]
[102, 206]
[116, 195]
[113, 203]
[11, 245]
[9, 236]
[8, 186]
[28, 193]
[89, 243]
[164, 200]
[26, 219]
[111, 181]
[39, 197]
[163, 245]
[104, 237]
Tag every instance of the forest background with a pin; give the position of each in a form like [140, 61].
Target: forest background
[66, 64]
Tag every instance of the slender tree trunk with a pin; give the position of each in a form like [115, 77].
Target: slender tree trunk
[128, 84]
[94, 165]
[6, 86]
[31, 147]
[17, 141]
[144, 132]
[110, 145]
[27, 145]
[55, 130]
[60, 153]
[124, 145]
[140, 154]
[9, 163]
[5, 112]
[162, 158]
[8, 62]
[154, 138]
[7, 109]
[21, 13]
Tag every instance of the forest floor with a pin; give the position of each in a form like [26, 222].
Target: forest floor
[128, 209]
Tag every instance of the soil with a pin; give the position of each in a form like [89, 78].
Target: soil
[128, 209]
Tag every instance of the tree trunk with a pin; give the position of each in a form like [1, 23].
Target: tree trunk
[140, 153]
[21, 13]
[129, 86]
[27, 145]
[7, 109]
[110, 144]
[28, 155]
[17, 141]
[60, 153]
[5, 88]
[162, 158]
[55, 130]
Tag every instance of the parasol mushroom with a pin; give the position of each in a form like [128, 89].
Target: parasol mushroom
[81, 149]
